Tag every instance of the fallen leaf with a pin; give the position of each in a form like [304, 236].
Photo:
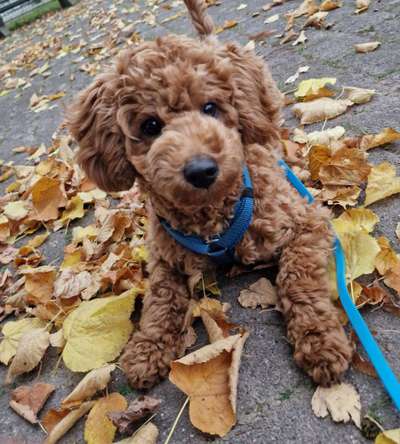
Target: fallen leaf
[261, 293]
[209, 377]
[27, 401]
[358, 95]
[70, 284]
[301, 39]
[388, 437]
[138, 409]
[382, 182]
[295, 76]
[147, 434]
[314, 88]
[325, 137]
[39, 283]
[329, 5]
[387, 135]
[343, 196]
[97, 331]
[342, 402]
[98, 428]
[228, 24]
[392, 278]
[363, 366]
[16, 210]
[68, 421]
[355, 220]
[31, 348]
[47, 197]
[386, 259]
[362, 5]
[93, 382]
[320, 109]
[308, 7]
[272, 19]
[12, 332]
[317, 20]
[372, 295]
[366, 47]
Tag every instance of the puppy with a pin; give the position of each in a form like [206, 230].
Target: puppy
[183, 117]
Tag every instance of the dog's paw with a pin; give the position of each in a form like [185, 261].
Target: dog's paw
[145, 361]
[324, 356]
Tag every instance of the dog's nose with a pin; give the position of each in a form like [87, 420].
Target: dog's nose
[201, 171]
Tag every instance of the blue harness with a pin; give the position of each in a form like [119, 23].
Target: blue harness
[221, 250]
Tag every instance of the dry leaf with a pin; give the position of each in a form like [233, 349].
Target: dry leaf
[68, 421]
[314, 88]
[93, 382]
[363, 366]
[16, 210]
[366, 47]
[325, 137]
[387, 258]
[392, 278]
[317, 20]
[388, 437]
[147, 434]
[302, 38]
[308, 7]
[320, 109]
[358, 95]
[138, 409]
[387, 135]
[12, 332]
[39, 283]
[272, 19]
[329, 5]
[343, 196]
[261, 293]
[31, 348]
[209, 377]
[97, 331]
[70, 284]
[355, 220]
[342, 402]
[382, 182]
[47, 197]
[362, 5]
[27, 401]
[98, 428]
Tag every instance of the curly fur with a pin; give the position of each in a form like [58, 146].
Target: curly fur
[172, 77]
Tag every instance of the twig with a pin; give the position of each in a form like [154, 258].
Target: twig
[171, 432]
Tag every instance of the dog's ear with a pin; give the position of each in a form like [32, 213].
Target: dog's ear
[91, 120]
[256, 96]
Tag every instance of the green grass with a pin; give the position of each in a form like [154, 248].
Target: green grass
[52, 5]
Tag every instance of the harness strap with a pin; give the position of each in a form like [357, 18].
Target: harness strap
[222, 246]
[374, 353]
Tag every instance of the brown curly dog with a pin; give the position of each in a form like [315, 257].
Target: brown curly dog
[182, 116]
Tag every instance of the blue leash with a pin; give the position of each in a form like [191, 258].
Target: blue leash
[374, 353]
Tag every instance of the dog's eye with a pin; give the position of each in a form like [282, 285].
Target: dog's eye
[211, 109]
[151, 127]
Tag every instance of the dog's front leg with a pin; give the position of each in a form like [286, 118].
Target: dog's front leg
[147, 356]
[321, 346]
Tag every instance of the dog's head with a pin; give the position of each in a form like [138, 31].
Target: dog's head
[179, 113]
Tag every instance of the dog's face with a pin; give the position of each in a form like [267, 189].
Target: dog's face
[178, 113]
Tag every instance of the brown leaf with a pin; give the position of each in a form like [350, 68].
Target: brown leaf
[68, 421]
[70, 284]
[138, 409]
[392, 277]
[261, 293]
[387, 135]
[363, 366]
[27, 401]
[147, 434]
[39, 283]
[47, 198]
[52, 417]
[329, 5]
[387, 258]
[209, 377]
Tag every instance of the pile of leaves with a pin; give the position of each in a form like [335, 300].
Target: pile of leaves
[81, 304]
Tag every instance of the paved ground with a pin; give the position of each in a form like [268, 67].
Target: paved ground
[274, 396]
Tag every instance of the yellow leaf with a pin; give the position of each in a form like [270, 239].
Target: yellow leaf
[314, 88]
[38, 240]
[98, 428]
[388, 437]
[12, 332]
[47, 197]
[320, 109]
[209, 377]
[147, 434]
[387, 258]
[16, 210]
[94, 381]
[208, 304]
[81, 233]
[339, 195]
[382, 182]
[387, 135]
[97, 331]
[62, 426]
[93, 195]
[358, 96]
[31, 348]
[71, 259]
[73, 211]
[366, 47]
[355, 220]
[342, 402]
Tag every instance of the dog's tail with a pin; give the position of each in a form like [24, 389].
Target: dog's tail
[201, 20]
